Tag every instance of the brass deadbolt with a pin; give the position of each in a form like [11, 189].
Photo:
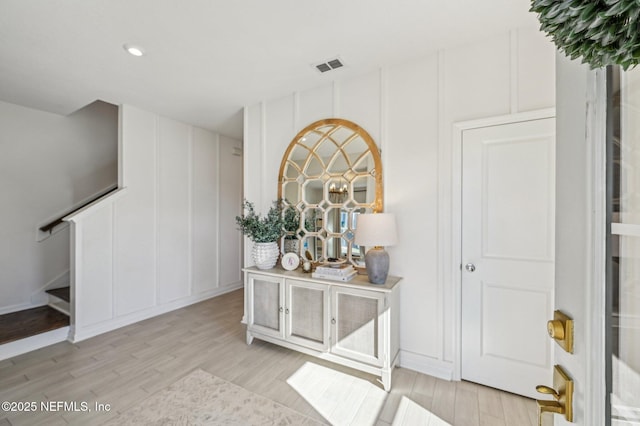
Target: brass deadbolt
[560, 328]
[555, 329]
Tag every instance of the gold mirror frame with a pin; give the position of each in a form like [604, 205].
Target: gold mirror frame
[336, 174]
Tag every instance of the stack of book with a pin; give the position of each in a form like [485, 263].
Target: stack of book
[344, 272]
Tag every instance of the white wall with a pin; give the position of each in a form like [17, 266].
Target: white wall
[167, 238]
[48, 164]
[409, 110]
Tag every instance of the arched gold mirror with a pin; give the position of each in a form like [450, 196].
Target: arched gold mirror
[330, 173]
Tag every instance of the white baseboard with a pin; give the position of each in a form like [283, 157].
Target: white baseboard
[78, 334]
[19, 347]
[426, 365]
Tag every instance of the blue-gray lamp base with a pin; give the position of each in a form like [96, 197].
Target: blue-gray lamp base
[377, 263]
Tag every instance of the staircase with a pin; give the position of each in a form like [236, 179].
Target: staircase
[59, 299]
[21, 329]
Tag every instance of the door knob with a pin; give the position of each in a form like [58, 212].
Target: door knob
[470, 267]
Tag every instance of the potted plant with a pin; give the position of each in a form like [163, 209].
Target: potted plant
[264, 232]
[291, 219]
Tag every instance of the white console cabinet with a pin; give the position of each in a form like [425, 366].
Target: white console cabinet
[351, 323]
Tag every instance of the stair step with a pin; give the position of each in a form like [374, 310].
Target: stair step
[63, 293]
[30, 322]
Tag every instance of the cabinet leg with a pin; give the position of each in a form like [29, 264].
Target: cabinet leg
[249, 338]
[385, 378]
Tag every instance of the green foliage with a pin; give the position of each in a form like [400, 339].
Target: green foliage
[291, 218]
[601, 32]
[291, 222]
[261, 229]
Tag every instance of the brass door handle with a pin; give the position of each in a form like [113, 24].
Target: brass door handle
[547, 390]
[562, 392]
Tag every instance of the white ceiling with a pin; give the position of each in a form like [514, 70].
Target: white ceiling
[206, 59]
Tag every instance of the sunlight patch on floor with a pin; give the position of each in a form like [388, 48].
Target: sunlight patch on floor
[347, 400]
[340, 398]
[410, 413]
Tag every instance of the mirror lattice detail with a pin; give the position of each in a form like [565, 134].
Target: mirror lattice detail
[330, 173]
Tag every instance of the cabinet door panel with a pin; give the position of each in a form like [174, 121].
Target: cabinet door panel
[358, 324]
[267, 301]
[307, 310]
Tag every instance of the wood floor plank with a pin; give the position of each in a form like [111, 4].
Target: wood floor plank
[422, 400]
[92, 418]
[123, 351]
[29, 359]
[490, 402]
[444, 398]
[13, 380]
[281, 392]
[6, 363]
[132, 380]
[532, 410]
[140, 364]
[516, 409]
[466, 406]
[20, 391]
[424, 385]
[79, 388]
[95, 365]
[58, 349]
[489, 420]
[121, 401]
[37, 370]
[402, 381]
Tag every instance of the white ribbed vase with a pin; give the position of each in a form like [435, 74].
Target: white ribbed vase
[265, 255]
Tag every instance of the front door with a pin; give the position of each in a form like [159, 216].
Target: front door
[508, 213]
[624, 254]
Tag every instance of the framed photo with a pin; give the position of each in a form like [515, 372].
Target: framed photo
[290, 261]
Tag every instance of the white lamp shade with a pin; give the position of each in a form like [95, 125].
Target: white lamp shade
[377, 229]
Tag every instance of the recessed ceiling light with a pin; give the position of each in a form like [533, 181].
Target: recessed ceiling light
[133, 50]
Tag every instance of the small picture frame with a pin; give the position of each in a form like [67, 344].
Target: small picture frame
[290, 261]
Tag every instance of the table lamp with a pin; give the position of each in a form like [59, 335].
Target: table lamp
[376, 230]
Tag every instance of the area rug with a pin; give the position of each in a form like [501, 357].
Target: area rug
[203, 399]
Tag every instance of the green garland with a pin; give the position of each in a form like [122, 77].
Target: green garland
[601, 32]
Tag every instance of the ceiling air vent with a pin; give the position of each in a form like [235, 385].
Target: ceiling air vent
[329, 65]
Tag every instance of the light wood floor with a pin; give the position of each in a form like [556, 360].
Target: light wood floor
[123, 367]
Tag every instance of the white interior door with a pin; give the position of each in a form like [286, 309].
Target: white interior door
[508, 208]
